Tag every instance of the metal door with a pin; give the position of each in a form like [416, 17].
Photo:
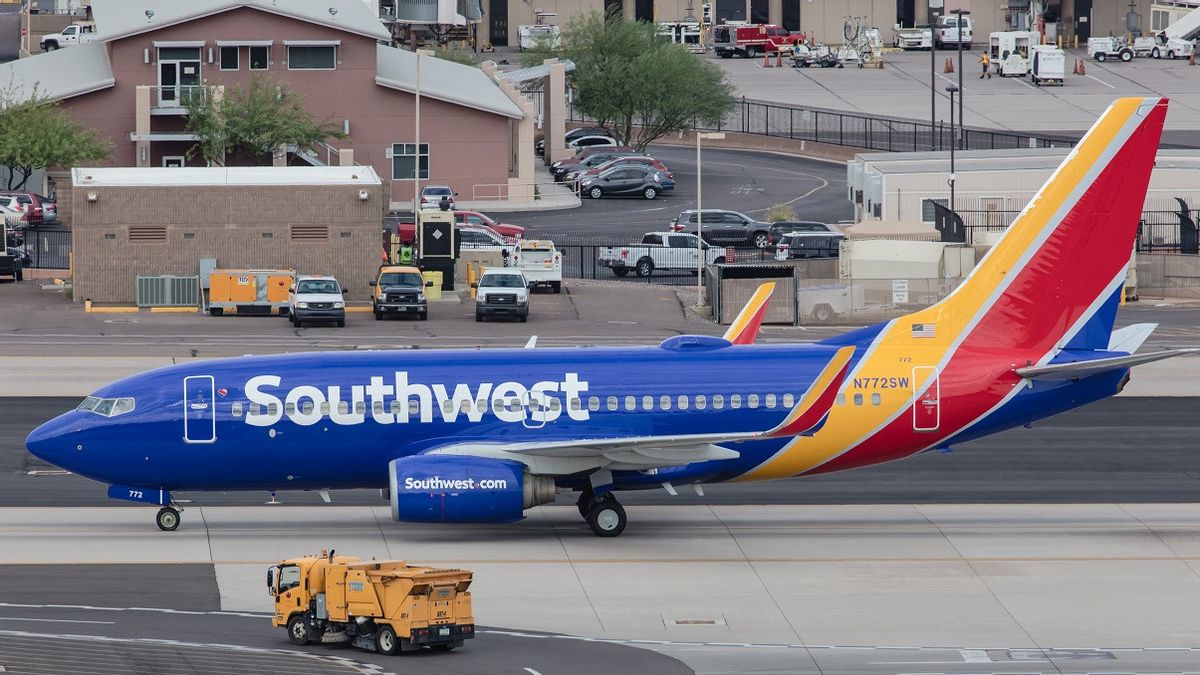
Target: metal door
[1083, 20]
[498, 24]
[927, 404]
[199, 409]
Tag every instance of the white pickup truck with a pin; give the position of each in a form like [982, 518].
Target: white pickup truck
[540, 261]
[76, 33]
[669, 251]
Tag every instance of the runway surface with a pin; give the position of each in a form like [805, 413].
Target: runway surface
[1118, 450]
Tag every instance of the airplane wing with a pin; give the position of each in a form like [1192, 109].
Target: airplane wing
[645, 452]
[1081, 369]
[744, 328]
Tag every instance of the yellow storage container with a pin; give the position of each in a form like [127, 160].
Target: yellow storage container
[249, 291]
[278, 285]
[434, 291]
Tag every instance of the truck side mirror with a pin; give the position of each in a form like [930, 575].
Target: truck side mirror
[271, 580]
[371, 283]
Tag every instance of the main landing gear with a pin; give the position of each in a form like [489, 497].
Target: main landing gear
[603, 513]
[167, 519]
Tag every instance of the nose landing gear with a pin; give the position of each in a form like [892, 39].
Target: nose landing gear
[167, 519]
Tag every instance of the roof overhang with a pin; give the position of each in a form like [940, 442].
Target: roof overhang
[228, 5]
[312, 43]
[245, 43]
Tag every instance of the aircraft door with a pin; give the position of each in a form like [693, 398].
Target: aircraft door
[199, 409]
[927, 406]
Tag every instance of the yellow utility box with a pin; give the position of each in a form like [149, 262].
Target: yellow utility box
[381, 605]
[433, 285]
[249, 291]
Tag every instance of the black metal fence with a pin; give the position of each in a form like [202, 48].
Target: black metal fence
[620, 262]
[1158, 231]
[871, 132]
[45, 247]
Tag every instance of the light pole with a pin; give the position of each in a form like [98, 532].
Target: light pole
[961, 33]
[953, 89]
[711, 136]
[932, 90]
[417, 156]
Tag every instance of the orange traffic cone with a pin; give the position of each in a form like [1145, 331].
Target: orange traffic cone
[1075, 67]
[949, 68]
[1082, 67]
[779, 59]
[766, 59]
[1192, 59]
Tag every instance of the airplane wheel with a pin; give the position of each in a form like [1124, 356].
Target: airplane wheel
[607, 518]
[167, 519]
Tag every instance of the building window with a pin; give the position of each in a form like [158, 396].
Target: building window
[927, 213]
[260, 58]
[229, 58]
[404, 158]
[312, 58]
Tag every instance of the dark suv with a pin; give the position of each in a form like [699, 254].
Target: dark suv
[725, 228]
[808, 245]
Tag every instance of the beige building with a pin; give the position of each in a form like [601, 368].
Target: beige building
[824, 19]
[132, 222]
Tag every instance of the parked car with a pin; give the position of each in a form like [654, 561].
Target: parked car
[502, 291]
[787, 226]
[10, 266]
[541, 263]
[14, 213]
[585, 153]
[639, 181]
[560, 169]
[625, 160]
[49, 209]
[725, 228]
[77, 33]
[399, 290]
[540, 146]
[482, 239]
[665, 251]
[20, 254]
[591, 141]
[808, 245]
[431, 196]
[316, 298]
[476, 219]
[34, 213]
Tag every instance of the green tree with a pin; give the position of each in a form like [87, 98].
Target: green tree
[247, 126]
[629, 77]
[37, 133]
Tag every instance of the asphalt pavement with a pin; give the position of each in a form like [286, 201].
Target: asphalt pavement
[740, 180]
[1120, 450]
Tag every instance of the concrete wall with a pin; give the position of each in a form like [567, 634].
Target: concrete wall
[467, 146]
[223, 222]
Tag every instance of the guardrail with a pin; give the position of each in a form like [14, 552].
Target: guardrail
[535, 193]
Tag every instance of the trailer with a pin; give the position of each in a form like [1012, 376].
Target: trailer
[1047, 65]
[1009, 51]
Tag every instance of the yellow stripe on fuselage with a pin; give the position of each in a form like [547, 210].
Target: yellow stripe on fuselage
[897, 352]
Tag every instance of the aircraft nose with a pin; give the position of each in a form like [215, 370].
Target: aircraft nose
[51, 441]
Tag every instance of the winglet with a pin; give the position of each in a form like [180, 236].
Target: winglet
[810, 413]
[744, 328]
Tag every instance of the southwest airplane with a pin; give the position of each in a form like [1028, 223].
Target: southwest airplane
[481, 436]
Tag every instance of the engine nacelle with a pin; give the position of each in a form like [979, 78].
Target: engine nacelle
[463, 489]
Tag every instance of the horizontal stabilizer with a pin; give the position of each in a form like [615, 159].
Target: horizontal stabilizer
[1130, 338]
[1081, 369]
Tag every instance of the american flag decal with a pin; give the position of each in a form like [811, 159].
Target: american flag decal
[922, 330]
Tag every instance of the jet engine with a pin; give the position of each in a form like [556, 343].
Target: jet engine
[463, 489]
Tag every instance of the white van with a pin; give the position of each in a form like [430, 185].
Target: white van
[947, 32]
[540, 261]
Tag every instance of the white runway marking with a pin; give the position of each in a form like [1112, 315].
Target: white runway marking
[26, 618]
[531, 671]
[1100, 81]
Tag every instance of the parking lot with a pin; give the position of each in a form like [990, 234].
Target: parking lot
[901, 89]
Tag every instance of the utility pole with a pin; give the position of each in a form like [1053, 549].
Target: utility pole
[953, 89]
[961, 33]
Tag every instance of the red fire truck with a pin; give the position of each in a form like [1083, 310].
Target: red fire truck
[751, 40]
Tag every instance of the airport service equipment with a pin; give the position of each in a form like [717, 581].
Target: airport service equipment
[387, 606]
[752, 40]
[1104, 48]
[686, 33]
[1009, 51]
[912, 38]
[249, 291]
[1186, 28]
[1163, 47]
[541, 263]
[541, 35]
[1047, 65]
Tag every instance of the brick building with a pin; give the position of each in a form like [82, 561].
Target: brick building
[132, 222]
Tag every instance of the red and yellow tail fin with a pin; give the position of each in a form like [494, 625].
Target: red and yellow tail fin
[744, 329]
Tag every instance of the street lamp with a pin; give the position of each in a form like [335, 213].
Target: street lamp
[961, 32]
[709, 136]
[953, 89]
[417, 156]
[932, 90]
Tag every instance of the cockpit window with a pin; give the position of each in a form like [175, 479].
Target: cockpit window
[108, 407]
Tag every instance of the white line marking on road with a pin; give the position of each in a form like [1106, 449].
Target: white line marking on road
[1100, 81]
[26, 618]
[531, 671]
[974, 656]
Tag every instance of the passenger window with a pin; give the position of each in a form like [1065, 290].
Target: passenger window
[701, 402]
[718, 401]
[876, 399]
[325, 408]
[236, 410]
[289, 408]
[414, 407]
[752, 401]
[858, 399]
[481, 405]
[307, 407]
[255, 409]
[664, 402]
[594, 403]
[463, 407]
[377, 408]
[272, 409]
[841, 399]
[448, 406]
[771, 401]
[393, 407]
[553, 404]
[683, 402]
[343, 408]
[735, 401]
[360, 407]
[647, 403]
[789, 400]
[613, 403]
[575, 404]
[630, 403]
[514, 404]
